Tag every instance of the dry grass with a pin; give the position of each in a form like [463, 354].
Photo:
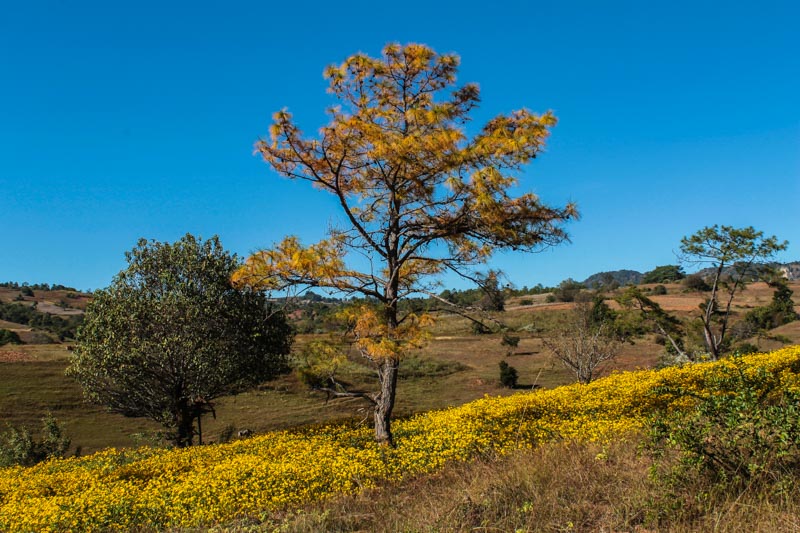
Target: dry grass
[557, 487]
[33, 383]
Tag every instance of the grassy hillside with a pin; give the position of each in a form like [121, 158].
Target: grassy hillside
[251, 479]
[32, 380]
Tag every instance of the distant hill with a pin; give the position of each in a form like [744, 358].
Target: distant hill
[41, 314]
[621, 277]
[790, 270]
[631, 277]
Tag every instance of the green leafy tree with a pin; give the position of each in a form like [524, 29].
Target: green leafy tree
[568, 290]
[494, 298]
[726, 247]
[759, 321]
[664, 324]
[418, 196]
[172, 333]
[664, 274]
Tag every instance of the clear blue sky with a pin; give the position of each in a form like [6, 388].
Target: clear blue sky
[127, 120]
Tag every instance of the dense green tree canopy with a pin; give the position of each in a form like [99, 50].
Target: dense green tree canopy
[664, 274]
[171, 334]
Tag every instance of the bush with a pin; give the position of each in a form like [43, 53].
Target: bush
[744, 431]
[659, 290]
[9, 337]
[509, 341]
[747, 348]
[568, 290]
[508, 375]
[479, 328]
[696, 283]
[18, 447]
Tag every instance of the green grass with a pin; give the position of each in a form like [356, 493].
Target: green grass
[28, 390]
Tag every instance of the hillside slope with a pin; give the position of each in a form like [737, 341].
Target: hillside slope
[201, 486]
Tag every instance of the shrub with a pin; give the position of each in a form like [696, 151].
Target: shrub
[9, 337]
[696, 283]
[479, 328]
[780, 311]
[510, 341]
[747, 348]
[744, 430]
[659, 290]
[568, 290]
[508, 375]
[18, 447]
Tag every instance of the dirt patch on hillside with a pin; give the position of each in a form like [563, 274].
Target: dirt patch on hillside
[678, 302]
[14, 357]
[53, 309]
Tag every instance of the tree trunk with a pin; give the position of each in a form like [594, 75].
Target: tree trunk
[185, 434]
[711, 342]
[387, 373]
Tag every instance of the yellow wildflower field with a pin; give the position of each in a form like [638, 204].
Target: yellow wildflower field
[204, 485]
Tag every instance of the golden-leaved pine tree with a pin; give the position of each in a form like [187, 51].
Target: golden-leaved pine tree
[420, 198]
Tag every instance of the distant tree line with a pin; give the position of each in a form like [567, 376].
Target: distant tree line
[63, 327]
[36, 286]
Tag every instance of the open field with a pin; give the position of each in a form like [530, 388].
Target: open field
[32, 380]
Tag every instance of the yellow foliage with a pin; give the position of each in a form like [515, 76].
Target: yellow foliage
[417, 195]
[377, 340]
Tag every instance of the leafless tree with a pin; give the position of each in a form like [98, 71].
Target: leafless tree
[583, 346]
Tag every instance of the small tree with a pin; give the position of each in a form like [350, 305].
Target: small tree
[568, 290]
[510, 342]
[583, 347]
[759, 321]
[732, 254]
[494, 298]
[664, 324]
[417, 195]
[508, 375]
[171, 334]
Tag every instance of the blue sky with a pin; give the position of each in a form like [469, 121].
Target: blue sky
[120, 121]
